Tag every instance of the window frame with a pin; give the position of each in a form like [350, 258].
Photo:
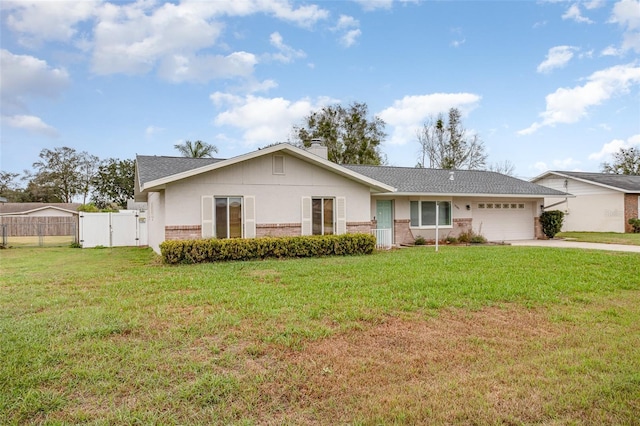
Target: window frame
[322, 212]
[420, 214]
[227, 216]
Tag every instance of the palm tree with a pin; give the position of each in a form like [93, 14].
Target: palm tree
[197, 149]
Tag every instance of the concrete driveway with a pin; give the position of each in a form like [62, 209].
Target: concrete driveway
[576, 244]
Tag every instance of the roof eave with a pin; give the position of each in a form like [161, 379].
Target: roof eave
[159, 184]
[589, 181]
[477, 195]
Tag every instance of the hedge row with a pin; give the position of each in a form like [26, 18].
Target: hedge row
[214, 250]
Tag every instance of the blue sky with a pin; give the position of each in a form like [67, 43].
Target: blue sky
[546, 84]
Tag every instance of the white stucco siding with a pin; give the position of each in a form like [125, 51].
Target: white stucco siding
[277, 196]
[155, 219]
[593, 209]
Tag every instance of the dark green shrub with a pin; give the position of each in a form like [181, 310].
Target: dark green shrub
[551, 222]
[419, 241]
[451, 240]
[635, 224]
[214, 250]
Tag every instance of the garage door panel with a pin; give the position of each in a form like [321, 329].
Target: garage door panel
[512, 220]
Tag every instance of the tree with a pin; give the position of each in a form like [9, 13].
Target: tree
[626, 162]
[58, 173]
[505, 168]
[349, 135]
[447, 145]
[87, 168]
[197, 149]
[113, 182]
[7, 183]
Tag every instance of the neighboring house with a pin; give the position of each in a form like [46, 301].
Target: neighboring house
[30, 219]
[40, 209]
[603, 202]
[283, 190]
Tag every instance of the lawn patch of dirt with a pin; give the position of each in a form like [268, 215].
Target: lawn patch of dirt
[459, 367]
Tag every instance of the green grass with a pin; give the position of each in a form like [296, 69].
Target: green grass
[602, 237]
[111, 336]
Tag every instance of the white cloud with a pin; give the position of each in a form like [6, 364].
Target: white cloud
[626, 13]
[263, 120]
[31, 124]
[557, 57]
[408, 114]
[611, 51]
[571, 105]
[350, 38]
[25, 76]
[615, 146]
[370, 5]
[350, 29]
[574, 13]
[594, 4]
[141, 36]
[150, 131]
[37, 21]
[202, 68]
[563, 164]
[285, 53]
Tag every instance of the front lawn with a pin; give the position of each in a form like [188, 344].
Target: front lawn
[601, 237]
[487, 335]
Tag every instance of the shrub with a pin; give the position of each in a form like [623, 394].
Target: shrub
[451, 240]
[551, 222]
[465, 237]
[635, 224]
[477, 239]
[213, 250]
[419, 241]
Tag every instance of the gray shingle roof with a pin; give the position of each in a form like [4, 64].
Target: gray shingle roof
[151, 167]
[437, 181]
[15, 208]
[626, 183]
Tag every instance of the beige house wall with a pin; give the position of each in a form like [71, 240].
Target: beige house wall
[278, 197]
[594, 208]
[155, 220]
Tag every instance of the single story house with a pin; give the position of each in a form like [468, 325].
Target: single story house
[602, 202]
[40, 209]
[283, 190]
[30, 219]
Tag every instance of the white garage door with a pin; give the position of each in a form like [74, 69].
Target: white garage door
[504, 221]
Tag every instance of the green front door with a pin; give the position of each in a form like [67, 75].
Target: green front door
[384, 215]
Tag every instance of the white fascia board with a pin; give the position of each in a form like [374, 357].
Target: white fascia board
[602, 185]
[39, 209]
[476, 195]
[296, 152]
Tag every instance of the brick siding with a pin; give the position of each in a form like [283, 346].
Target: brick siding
[359, 227]
[402, 232]
[537, 230]
[182, 232]
[630, 210]
[278, 229]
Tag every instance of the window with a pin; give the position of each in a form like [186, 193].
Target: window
[423, 213]
[228, 217]
[322, 216]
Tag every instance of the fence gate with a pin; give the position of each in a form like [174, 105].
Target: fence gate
[124, 228]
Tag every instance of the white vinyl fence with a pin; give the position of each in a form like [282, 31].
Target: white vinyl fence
[383, 238]
[124, 228]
